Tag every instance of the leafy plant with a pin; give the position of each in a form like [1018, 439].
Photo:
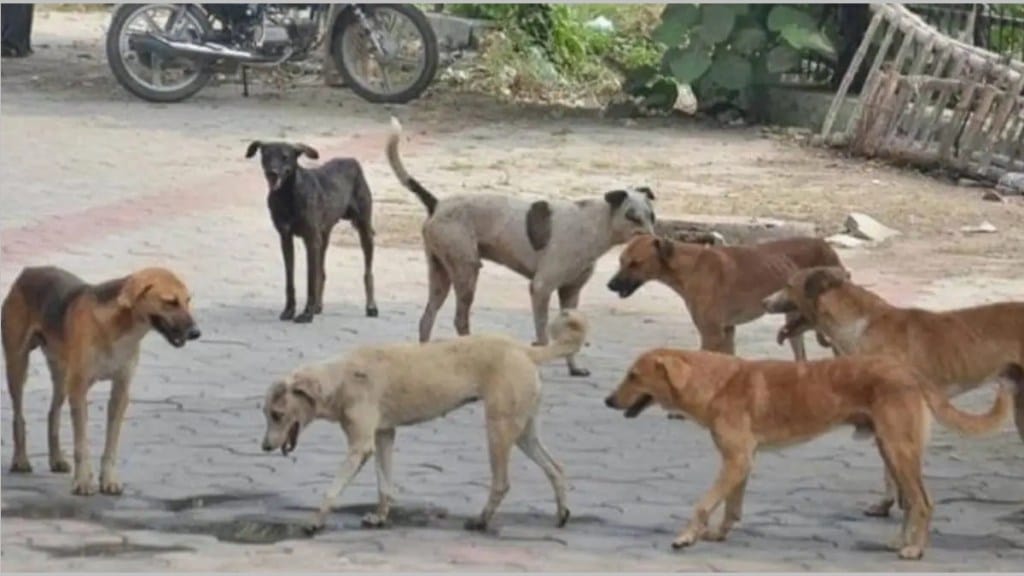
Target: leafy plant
[725, 51]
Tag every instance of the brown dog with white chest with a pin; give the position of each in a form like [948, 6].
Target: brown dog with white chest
[958, 350]
[722, 286]
[88, 333]
[749, 405]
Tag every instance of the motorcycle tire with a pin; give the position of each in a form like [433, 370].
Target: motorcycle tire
[347, 21]
[125, 78]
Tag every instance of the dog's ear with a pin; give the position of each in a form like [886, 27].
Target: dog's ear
[616, 197]
[538, 224]
[821, 281]
[665, 249]
[253, 147]
[132, 291]
[308, 151]
[677, 372]
[307, 388]
[646, 191]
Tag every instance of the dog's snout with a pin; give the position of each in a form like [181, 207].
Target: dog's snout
[610, 402]
[193, 333]
[267, 447]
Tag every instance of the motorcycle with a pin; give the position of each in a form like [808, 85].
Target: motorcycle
[168, 52]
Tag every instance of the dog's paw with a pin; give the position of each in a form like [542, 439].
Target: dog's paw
[683, 540]
[371, 312]
[475, 525]
[60, 466]
[318, 309]
[305, 318]
[111, 487]
[288, 313]
[579, 372]
[563, 518]
[83, 487]
[21, 467]
[911, 553]
[879, 510]
[375, 520]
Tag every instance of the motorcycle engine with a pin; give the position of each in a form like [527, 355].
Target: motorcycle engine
[271, 37]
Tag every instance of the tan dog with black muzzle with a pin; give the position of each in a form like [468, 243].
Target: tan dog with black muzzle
[722, 286]
[750, 405]
[957, 350]
[88, 333]
[376, 389]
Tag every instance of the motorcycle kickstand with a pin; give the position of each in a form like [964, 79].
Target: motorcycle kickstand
[245, 81]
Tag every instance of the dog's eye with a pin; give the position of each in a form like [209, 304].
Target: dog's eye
[172, 303]
[633, 218]
[275, 416]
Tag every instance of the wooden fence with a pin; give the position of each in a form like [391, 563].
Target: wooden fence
[932, 100]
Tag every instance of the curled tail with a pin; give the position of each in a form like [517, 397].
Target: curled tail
[567, 333]
[428, 199]
[970, 424]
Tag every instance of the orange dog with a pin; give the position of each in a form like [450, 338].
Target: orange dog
[747, 405]
[957, 350]
[88, 333]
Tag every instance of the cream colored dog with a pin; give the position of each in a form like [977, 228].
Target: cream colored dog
[376, 389]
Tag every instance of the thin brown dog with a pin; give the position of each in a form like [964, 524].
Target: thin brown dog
[957, 350]
[88, 333]
[722, 287]
[748, 405]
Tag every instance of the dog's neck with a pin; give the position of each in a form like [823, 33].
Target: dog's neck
[118, 322]
[677, 269]
[845, 311]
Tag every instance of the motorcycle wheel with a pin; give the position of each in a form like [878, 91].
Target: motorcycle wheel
[349, 36]
[129, 66]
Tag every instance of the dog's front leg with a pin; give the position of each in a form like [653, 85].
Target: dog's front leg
[569, 299]
[734, 472]
[116, 407]
[358, 454]
[312, 242]
[288, 252]
[77, 387]
[385, 440]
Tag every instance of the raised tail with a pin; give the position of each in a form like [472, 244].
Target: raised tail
[428, 199]
[965, 423]
[567, 334]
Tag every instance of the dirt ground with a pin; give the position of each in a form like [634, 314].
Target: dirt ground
[473, 143]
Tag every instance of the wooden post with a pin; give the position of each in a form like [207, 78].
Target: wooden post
[851, 73]
[329, 69]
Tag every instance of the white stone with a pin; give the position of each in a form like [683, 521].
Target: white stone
[985, 227]
[867, 228]
[845, 241]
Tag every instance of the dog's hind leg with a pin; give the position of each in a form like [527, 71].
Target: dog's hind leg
[58, 462]
[569, 299]
[385, 440]
[529, 442]
[440, 284]
[288, 253]
[325, 239]
[366, 243]
[501, 434]
[464, 278]
[903, 459]
[16, 359]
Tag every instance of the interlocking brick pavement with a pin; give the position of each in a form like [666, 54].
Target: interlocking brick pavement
[200, 495]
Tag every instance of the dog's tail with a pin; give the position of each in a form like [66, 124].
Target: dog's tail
[428, 199]
[567, 334]
[970, 424]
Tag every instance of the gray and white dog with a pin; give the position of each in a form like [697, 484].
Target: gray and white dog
[553, 243]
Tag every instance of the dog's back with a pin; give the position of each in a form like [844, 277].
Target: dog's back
[805, 252]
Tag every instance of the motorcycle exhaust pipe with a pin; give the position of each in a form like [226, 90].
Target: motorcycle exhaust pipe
[171, 48]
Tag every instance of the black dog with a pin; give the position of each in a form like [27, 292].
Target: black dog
[308, 203]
